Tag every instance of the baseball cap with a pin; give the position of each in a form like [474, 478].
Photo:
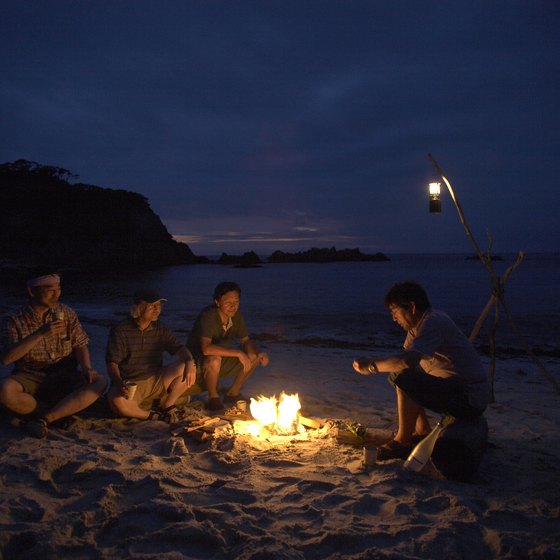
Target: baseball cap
[149, 296]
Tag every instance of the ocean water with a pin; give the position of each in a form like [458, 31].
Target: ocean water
[335, 304]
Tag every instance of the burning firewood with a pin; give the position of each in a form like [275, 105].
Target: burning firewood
[309, 422]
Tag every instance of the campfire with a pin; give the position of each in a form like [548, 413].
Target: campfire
[269, 420]
[274, 417]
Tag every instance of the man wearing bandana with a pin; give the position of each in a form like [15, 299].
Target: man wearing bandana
[52, 376]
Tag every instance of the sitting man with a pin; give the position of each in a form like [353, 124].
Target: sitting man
[214, 331]
[47, 343]
[439, 369]
[135, 356]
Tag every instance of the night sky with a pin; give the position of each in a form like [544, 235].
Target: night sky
[296, 124]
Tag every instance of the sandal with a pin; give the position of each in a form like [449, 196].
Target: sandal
[170, 415]
[214, 404]
[393, 450]
[232, 399]
[37, 427]
[154, 416]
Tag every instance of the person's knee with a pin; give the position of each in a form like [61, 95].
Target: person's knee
[99, 385]
[8, 388]
[212, 364]
[3, 391]
[117, 405]
[116, 401]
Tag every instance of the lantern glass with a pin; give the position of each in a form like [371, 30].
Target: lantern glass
[435, 200]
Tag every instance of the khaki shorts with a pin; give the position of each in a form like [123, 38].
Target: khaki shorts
[51, 387]
[149, 389]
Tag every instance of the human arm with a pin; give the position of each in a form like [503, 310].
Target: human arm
[17, 349]
[253, 352]
[211, 349]
[189, 372]
[82, 356]
[397, 362]
[116, 379]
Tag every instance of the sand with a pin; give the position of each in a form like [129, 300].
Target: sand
[112, 489]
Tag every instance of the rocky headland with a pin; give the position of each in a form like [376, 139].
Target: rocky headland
[46, 218]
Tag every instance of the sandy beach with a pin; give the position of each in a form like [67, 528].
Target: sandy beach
[110, 489]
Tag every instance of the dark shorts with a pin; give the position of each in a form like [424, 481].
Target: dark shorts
[443, 395]
[53, 383]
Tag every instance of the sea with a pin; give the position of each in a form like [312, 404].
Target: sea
[330, 304]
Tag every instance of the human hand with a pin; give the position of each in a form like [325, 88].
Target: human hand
[263, 358]
[56, 327]
[91, 375]
[246, 362]
[189, 373]
[361, 365]
[124, 389]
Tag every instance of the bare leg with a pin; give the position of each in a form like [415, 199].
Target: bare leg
[211, 370]
[423, 427]
[124, 407]
[172, 375]
[408, 412]
[15, 399]
[76, 401]
[241, 378]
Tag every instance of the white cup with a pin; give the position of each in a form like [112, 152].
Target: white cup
[241, 405]
[369, 455]
[131, 390]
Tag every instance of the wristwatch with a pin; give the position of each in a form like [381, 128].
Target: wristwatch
[372, 368]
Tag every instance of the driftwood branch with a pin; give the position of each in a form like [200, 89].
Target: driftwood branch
[498, 287]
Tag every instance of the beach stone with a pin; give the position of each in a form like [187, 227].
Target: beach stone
[460, 448]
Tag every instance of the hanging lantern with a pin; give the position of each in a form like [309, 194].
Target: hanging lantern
[435, 200]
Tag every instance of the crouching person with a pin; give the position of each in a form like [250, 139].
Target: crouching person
[52, 376]
[134, 358]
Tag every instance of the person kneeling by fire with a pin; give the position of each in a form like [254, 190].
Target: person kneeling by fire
[439, 369]
[134, 359]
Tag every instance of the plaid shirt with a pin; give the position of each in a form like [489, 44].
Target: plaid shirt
[50, 349]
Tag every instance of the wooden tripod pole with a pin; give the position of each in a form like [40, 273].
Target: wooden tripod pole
[498, 285]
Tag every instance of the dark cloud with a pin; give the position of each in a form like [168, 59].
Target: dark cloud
[296, 123]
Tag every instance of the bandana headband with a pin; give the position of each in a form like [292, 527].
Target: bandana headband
[48, 280]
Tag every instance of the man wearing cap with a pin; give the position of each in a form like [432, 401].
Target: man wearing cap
[212, 339]
[135, 355]
[49, 348]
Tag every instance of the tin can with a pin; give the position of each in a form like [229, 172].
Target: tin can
[241, 405]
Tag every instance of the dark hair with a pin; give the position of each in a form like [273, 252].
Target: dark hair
[225, 287]
[404, 293]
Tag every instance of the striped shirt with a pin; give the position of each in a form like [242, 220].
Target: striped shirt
[139, 353]
[50, 349]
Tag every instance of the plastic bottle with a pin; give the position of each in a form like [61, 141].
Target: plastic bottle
[423, 451]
